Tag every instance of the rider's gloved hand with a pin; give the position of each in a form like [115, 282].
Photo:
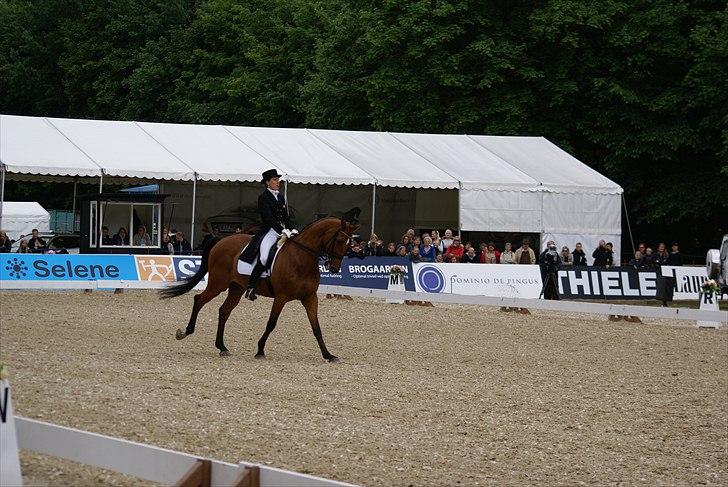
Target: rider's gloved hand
[294, 232]
[287, 232]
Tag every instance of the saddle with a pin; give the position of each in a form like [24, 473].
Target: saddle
[246, 269]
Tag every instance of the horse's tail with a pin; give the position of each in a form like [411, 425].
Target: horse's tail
[187, 284]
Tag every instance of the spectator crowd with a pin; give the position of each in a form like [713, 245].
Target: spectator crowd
[433, 247]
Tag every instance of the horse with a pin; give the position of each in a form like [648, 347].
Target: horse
[295, 276]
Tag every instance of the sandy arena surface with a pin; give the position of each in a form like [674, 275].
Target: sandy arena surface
[451, 395]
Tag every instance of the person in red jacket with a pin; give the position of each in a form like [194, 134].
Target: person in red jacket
[455, 250]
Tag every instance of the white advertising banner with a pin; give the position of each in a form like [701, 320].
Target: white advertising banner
[687, 280]
[510, 281]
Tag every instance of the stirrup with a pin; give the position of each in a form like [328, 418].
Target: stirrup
[250, 294]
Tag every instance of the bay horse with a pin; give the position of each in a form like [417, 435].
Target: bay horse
[295, 276]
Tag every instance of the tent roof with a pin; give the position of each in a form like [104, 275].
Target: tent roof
[302, 157]
[210, 150]
[554, 168]
[123, 149]
[32, 145]
[471, 164]
[387, 159]
[24, 209]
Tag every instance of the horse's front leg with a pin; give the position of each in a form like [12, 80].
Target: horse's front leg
[311, 305]
[275, 312]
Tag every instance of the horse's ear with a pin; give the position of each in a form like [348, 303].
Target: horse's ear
[351, 217]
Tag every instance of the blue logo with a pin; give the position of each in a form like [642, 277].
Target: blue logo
[431, 279]
[16, 268]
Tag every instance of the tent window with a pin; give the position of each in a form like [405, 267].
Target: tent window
[131, 217]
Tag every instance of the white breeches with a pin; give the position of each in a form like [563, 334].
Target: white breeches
[268, 240]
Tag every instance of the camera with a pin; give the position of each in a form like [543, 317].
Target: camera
[551, 257]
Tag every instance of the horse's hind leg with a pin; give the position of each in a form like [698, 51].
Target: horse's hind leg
[311, 305]
[275, 312]
[200, 300]
[232, 300]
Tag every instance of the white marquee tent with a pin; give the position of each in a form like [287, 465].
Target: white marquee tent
[501, 184]
[21, 217]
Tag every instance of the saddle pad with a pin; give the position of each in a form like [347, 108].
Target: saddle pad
[245, 269]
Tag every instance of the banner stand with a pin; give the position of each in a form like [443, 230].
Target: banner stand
[708, 301]
[396, 283]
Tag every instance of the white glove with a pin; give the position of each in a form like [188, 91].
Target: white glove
[286, 232]
[294, 232]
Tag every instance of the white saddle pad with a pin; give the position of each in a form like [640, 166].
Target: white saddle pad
[245, 269]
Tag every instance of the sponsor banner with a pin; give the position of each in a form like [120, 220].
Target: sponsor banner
[66, 267]
[370, 273]
[628, 283]
[517, 281]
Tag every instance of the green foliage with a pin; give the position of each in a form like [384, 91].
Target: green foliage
[636, 89]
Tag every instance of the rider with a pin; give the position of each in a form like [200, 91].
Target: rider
[274, 215]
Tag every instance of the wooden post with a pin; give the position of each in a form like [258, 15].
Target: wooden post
[249, 478]
[200, 475]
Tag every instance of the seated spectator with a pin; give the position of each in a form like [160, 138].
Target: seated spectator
[121, 238]
[446, 241]
[566, 257]
[417, 243]
[427, 251]
[508, 256]
[452, 259]
[636, 261]
[579, 256]
[468, 245]
[391, 250]
[438, 258]
[166, 246]
[648, 262]
[142, 238]
[470, 257]
[601, 255]
[106, 239]
[5, 243]
[491, 255]
[355, 250]
[414, 254]
[610, 254]
[525, 254]
[181, 245]
[374, 246]
[675, 255]
[455, 250]
[402, 251]
[24, 247]
[35, 241]
[406, 243]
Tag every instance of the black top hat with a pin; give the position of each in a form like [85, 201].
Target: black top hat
[270, 173]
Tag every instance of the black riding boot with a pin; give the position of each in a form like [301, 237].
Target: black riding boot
[253, 281]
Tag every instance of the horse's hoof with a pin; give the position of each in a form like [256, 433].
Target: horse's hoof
[260, 356]
[180, 334]
[332, 359]
[224, 353]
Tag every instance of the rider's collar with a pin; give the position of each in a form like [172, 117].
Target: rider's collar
[274, 192]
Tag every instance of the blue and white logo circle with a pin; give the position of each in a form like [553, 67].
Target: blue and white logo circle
[431, 279]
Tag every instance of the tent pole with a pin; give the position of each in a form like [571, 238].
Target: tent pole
[460, 221]
[374, 204]
[75, 182]
[194, 207]
[101, 182]
[2, 192]
[629, 227]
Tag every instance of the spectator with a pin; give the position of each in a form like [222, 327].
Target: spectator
[675, 256]
[455, 249]
[35, 241]
[470, 257]
[566, 257]
[417, 243]
[468, 245]
[452, 259]
[5, 243]
[411, 233]
[427, 252]
[636, 261]
[446, 241]
[181, 245]
[601, 255]
[121, 238]
[374, 247]
[610, 254]
[642, 248]
[435, 236]
[402, 251]
[24, 247]
[414, 254]
[508, 256]
[166, 246]
[578, 255]
[438, 258]
[391, 250]
[406, 243]
[648, 262]
[490, 255]
[525, 254]
[661, 257]
[355, 250]
[142, 238]
[106, 239]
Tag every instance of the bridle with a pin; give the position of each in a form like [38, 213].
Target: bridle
[327, 252]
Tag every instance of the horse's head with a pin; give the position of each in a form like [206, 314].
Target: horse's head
[340, 240]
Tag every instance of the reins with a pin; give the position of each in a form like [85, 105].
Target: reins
[327, 252]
